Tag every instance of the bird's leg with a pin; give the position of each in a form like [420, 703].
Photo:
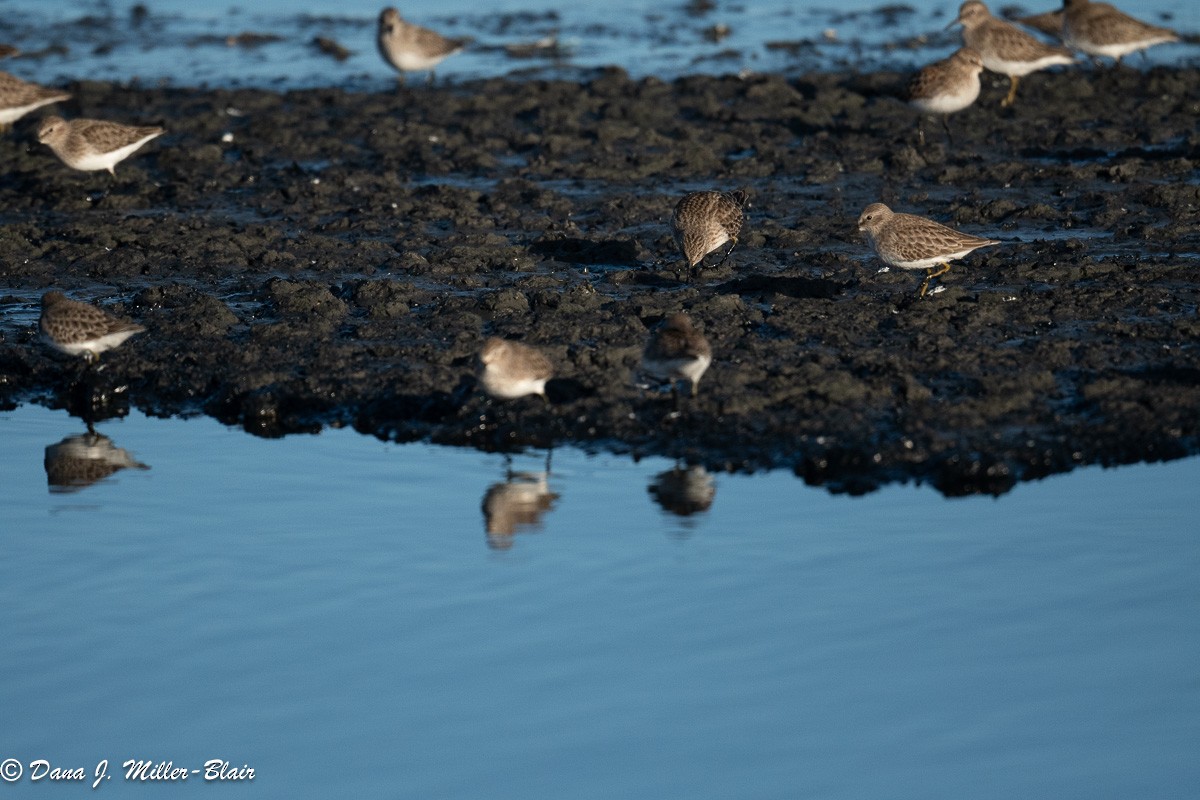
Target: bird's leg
[695, 385]
[549, 452]
[724, 258]
[920, 133]
[429, 80]
[930, 275]
[1012, 92]
[946, 125]
[925, 283]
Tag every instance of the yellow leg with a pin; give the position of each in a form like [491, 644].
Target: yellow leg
[930, 275]
[1012, 92]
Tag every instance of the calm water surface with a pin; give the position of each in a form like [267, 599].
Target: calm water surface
[333, 612]
[186, 43]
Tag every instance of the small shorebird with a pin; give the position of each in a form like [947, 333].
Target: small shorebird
[1098, 29]
[93, 144]
[703, 221]
[411, 48]
[946, 86]
[677, 351]
[1005, 48]
[18, 98]
[911, 242]
[509, 370]
[1049, 22]
[79, 329]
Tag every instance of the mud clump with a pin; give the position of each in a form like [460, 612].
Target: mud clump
[321, 257]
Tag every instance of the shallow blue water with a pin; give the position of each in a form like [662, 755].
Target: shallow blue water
[185, 43]
[330, 611]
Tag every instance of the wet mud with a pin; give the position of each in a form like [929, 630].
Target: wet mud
[328, 258]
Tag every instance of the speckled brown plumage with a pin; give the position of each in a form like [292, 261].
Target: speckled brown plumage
[76, 328]
[18, 98]
[1099, 29]
[703, 221]
[1050, 23]
[677, 351]
[93, 144]
[911, 242]
[1005, 48]
[946, 86]
[509, 370]
[408, 47]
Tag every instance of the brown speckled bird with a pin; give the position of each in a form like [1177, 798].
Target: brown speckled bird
[1098, 29]
[946, 86]
[911, 242]
[703, 221]
[1049, 23]
[411, 48]
[76, 328]
[18, 98]
[93, 144]
[677, 351]
[509, 370]
[1005, 48]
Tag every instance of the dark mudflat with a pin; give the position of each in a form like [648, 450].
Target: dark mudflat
[340, 259]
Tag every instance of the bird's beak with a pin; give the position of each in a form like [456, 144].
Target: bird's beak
[953, 22]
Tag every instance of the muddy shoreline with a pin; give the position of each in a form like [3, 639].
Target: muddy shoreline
[323, 257]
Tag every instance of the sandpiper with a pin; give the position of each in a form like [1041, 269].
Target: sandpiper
[93, 144]
[1005, 48]
[1049, 22]
[911, 242]
[411, 48]
[509, 370]
[703, 221]
[677, 351]
[18, 98]
[946, 86]
[1098, 29]
[76, 328]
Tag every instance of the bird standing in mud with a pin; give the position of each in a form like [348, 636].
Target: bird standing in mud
[508, 370]
[1005, 48]
[411, 48]
[945, 87]
[18, 98]
[93, 144]
[1098, 29]
[677, 351]
[79, 329]
[703, 221]
[911, 242]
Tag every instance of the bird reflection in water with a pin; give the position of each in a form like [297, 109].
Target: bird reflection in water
[84, 459]
[684, 491]
[516, 504]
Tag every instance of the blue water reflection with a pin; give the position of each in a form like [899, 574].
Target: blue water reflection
[342, 615]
